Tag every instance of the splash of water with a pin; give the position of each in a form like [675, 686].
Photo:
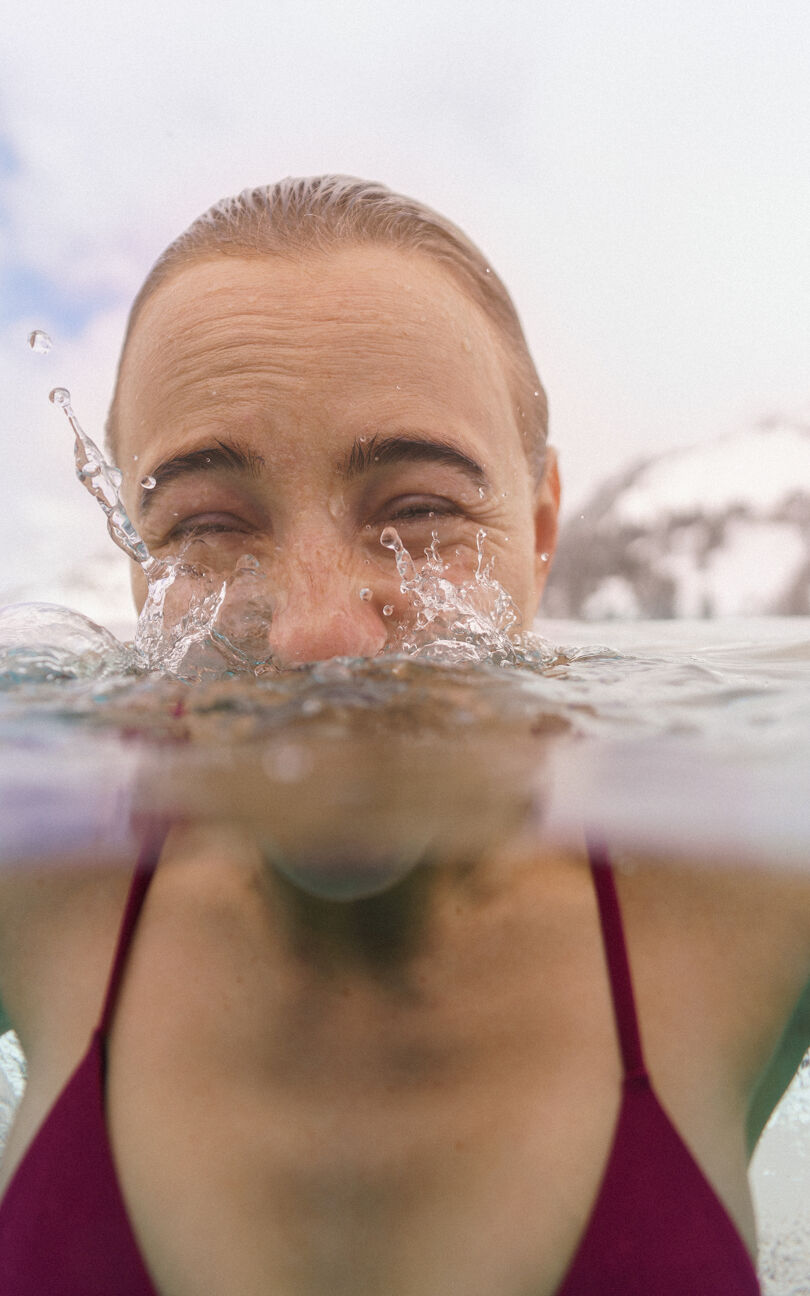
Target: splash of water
[177, 630]
[43, 643]
[470, 621]
[103, 481]
[196, 623]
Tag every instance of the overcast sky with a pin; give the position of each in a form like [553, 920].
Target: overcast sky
[639, 173]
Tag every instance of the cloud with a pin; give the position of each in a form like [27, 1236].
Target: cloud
[131, 120]
[636, 173]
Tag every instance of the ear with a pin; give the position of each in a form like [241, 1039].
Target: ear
[546, 515]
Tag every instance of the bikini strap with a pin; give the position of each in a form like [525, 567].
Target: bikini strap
[621, 984]
[142, 876]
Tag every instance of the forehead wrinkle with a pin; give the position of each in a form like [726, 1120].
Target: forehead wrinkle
[317, 327]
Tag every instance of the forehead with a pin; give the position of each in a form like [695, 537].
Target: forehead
[352, 337]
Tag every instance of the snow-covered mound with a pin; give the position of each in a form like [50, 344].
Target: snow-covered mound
[721, 529]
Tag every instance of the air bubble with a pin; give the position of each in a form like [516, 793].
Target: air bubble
[366, 594]
[148, 483]
[388, 610]
[39, 341]
[59, 396]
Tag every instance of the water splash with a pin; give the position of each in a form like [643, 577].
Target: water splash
[103, 481]
[43, 643]
[197, 623]
[178, 630]
[470, 621]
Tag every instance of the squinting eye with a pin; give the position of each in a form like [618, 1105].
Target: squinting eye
[408, 510]
[216, 524]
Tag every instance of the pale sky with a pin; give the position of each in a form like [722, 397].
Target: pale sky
[639, 174]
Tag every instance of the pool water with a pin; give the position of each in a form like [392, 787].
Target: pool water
[433, 751]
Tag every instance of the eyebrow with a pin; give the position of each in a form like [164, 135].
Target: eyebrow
[382, 451]
[229, 455]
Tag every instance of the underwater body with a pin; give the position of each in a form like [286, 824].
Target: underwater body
[681, 738]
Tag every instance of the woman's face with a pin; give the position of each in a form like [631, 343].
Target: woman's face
[292, 410]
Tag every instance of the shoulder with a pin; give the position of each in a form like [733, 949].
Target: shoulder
[58, 922]
[725, 948]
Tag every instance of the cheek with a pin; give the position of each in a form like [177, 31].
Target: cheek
[514, 567]
[138, 585]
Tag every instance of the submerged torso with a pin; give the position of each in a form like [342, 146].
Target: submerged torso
[287, 1115]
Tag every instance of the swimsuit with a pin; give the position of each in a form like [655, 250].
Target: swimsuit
[657, 1227]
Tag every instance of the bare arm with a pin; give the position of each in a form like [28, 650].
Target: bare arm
[779, 1072]
[57, 929]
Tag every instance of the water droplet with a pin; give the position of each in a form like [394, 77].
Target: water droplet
[39, 342]
[388, 610]
[389, 537]
[537, 393]
[248, 562]
[487, 270]
[481, 492]
[115, 475]
[134, 458]
[544, 557]
[148, 483]
[366, 594]
[60, 396]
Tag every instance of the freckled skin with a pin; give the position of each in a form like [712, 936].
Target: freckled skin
[297, 361]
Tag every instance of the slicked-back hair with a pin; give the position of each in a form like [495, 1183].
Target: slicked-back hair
[322, 214]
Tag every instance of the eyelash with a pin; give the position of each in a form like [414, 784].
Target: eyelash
[438, 508]
[191, 529]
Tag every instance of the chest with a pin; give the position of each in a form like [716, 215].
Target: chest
[403, 1197]
[344, 1170]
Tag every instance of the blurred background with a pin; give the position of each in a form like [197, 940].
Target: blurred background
[638, 172]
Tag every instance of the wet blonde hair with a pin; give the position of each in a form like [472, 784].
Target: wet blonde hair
[323, 213]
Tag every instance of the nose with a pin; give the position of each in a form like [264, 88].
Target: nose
[322, 615]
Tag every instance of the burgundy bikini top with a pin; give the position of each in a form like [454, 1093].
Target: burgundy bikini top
[657, 1227]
